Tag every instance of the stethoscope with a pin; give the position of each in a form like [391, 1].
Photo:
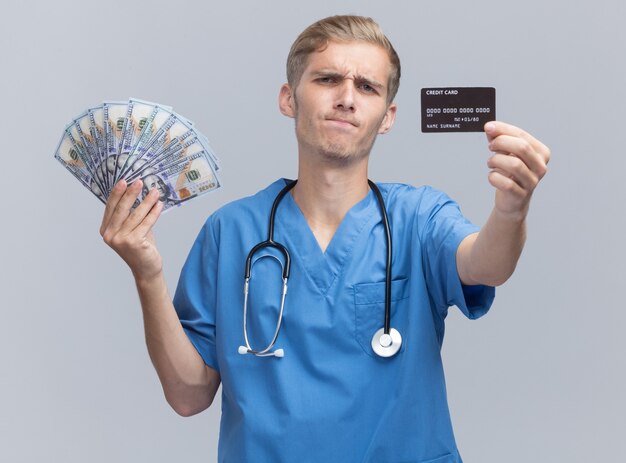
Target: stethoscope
[386, 342]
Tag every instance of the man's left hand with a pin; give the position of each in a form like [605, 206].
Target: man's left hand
[518, 164]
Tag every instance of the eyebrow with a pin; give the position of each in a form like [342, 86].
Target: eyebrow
[358, 78]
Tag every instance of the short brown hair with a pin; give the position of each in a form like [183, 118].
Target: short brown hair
[342, 29]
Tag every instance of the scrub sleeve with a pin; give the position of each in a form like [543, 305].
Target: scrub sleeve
[442, 228]
[195, 295]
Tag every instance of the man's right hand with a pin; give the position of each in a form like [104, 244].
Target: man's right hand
[188, 383]
[129, 231]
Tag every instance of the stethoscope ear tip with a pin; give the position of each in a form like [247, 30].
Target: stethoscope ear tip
[243, 350]
[279, 353]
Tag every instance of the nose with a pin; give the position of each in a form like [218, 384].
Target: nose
[345, 96]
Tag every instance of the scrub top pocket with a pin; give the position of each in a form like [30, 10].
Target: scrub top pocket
[369, 310]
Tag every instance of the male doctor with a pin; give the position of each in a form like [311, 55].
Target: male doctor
[330, 397]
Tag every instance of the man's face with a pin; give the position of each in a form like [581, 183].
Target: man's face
[340, 103]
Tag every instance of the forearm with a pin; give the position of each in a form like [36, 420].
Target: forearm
[189, 385]
[490, 257]
[518, 163]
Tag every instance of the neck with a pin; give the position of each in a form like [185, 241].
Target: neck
[325, 193]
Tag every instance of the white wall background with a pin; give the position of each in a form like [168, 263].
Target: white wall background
[540, 379]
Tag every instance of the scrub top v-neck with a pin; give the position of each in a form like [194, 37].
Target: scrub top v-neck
[331, 398]
[323, 267]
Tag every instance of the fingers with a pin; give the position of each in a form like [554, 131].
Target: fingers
[138, 214]
[121, 220]
[495, 129]
[122, 209]
[150, 219]
[115, 196]
[515, 169]
[505, 184]
[521, 150]
[527, 156]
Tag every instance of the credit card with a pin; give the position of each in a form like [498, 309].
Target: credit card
[457, 109]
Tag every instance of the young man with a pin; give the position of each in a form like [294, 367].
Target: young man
[328, 397]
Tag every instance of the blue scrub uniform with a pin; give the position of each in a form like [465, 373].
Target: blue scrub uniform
[331, 399]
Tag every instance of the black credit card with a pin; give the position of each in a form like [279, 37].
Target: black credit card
[457, 109]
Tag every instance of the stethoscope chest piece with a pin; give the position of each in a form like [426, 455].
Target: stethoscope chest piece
[386, 345]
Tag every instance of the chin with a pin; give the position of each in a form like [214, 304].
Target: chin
[341, 154]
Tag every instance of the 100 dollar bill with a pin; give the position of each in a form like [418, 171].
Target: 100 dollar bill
[181, 181]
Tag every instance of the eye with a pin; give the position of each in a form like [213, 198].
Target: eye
[326, 80]
[367, 88]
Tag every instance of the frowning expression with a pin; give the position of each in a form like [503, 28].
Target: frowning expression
[340, 103]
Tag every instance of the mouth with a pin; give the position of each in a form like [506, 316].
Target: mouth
[342, 122]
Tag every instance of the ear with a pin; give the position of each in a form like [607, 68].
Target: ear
[388, 120]
[286, 101]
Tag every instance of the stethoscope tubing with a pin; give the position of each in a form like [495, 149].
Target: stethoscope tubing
[270, 243]
[383, 211]
[387, 332]
[286, 268]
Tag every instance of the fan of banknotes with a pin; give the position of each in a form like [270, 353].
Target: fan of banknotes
[139, 140]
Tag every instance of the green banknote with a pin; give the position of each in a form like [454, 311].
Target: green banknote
[139, 140]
